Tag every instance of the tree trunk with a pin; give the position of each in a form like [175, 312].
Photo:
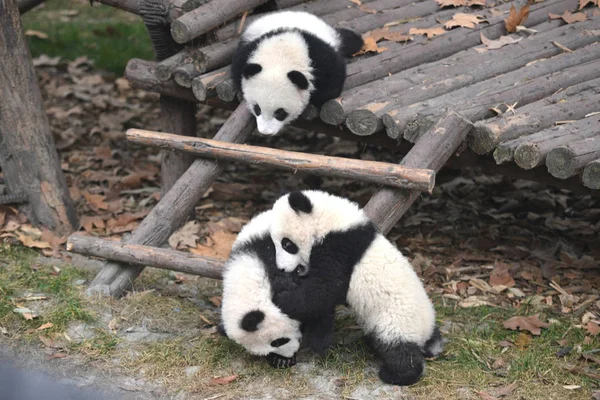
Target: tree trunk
[27, 152]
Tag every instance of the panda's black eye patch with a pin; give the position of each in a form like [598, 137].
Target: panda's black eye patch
[256, 109]
[280, 342]
[289, 246]
[251, 320]
[280, 114]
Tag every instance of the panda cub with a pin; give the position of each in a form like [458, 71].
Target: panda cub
[248, 314]
[286, 60]
[341, 257]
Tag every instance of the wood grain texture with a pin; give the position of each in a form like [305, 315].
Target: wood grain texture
[432, 151]
[174, 208]
[591, 175]
[567, 161]
[369, 171]
[29, 160]
[146, 256]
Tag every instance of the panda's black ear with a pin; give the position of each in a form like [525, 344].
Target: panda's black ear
[298, 79]
[299, 202]
[250, 70]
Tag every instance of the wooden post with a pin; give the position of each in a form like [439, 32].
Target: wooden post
[26, 5]
[175, 206]
[369, 171]
[432, 151]
[146, 256]
[27, 153]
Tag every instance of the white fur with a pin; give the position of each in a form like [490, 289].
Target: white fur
[246, 288]
[293, 20]
[385, 292]
[271, 88]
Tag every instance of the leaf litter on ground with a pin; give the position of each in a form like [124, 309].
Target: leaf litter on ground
[516, 18]
[569, 17]
[531, 324]
[464, 20]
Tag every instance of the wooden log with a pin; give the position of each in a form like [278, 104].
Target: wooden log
[226, 90]
[523, 86]
[533, 149]
[363, 106]
[205, 86]
[219, 54]
[175, 206]
[591, 175]
[28, 156]
[141, 75]
[567, 161]
[146, 256]
[208, 16]
[511, 130]
[131, 6]
[432, 151]
[184, 74]
[26, 5]
[190, 5]
[190, 56]
[368, 171]
[400, 56]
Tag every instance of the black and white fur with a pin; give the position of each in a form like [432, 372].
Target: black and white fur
[344, 259]
[248, 314]
[288, 59]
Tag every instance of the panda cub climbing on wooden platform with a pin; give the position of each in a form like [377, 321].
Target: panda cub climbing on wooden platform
[286, 60]
[340, 257]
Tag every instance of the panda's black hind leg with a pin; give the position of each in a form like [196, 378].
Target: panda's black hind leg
[318, 334]
[352, 42]
[403, 363]
[281, 362]
[435, 345]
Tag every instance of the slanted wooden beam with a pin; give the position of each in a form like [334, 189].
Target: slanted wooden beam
[174, 207]
[368, 171]
[27, 153]
[146, 256]
[566, 161]
[208, 16]
[432, 151]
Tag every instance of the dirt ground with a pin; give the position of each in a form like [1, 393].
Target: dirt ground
[489, 249]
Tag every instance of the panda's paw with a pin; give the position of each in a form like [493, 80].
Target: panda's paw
[280, 362]
[405, 378]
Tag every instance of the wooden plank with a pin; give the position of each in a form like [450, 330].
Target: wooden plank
[591, 175]
[208, 16]
[432, 151]
[146, 256]
[205, 86]
[28, 156]
[567, 161]
[369, 171]
[174, 208]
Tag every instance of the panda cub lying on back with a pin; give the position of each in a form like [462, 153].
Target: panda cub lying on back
[341, 258]
[248, 314]
[286, 60]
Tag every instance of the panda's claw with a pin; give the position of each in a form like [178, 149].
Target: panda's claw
[281, 362]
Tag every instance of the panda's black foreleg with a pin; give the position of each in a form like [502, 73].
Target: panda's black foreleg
[280, 362]
[318, 334]
[403, 362]
[435, 345]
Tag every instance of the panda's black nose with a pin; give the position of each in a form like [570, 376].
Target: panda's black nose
[301, 270]
[280, 342]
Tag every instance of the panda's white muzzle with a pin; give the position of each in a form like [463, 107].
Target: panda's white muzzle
[268, 127]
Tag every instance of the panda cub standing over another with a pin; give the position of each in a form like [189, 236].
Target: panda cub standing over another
[342, 258]
[248, 314]
[286, 60]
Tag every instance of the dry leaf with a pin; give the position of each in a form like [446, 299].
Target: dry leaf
[523, 340]
[572, 387]
[96, 201]
[505, 343]
[185, 236]
[28, 241]
[224, 380]
[220, 244]
[47, 325]
[592, 328]
[568, 17]
[531, 324]
[499, 363]
[465, 20]
[486, 396]
[37, 34]
[370, 46]
[357, 2]
[583, 3]
[516, 18]
[500, 274]
[25, 312]
[215, 300]
[57, 355]
[366, 9]
[505, 390]
[496, 44]
[430, 32]
[460, 3]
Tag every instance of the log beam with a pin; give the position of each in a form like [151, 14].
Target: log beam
[369, 171]
[174, 207]
[591, 175]
[432, 151]
[27, 153]
[146, 256]
[567, 161]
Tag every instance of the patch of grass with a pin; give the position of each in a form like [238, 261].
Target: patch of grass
[106, 35]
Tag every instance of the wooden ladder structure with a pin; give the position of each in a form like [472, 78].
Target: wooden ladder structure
[403, 184]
